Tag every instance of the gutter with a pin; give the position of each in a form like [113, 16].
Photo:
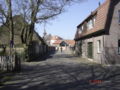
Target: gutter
[97, 33]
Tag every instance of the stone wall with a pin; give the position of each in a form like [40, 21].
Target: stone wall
[111, 40]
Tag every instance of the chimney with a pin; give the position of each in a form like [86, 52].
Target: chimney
[99, 4]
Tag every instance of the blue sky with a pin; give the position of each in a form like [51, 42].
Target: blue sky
[65, 24]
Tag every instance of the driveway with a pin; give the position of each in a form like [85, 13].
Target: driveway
[63, 71]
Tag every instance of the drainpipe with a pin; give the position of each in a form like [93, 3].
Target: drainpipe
[103, 49]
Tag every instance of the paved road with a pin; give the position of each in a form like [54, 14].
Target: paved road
[63, 71]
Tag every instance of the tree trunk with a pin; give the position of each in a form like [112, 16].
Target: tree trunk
[30, 35]
[10, 21]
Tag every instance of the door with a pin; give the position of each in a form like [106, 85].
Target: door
[90, 50]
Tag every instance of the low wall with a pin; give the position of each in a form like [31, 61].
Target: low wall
[39, 51]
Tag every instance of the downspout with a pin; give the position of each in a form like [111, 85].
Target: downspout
[103, 49]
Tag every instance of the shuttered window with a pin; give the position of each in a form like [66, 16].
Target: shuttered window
[118, 46]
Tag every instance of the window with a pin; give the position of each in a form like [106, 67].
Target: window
[79, 31]
[119, 16]
[94, 19]
[118, 46]
[99, 46]
[90, 24]
[82, 27]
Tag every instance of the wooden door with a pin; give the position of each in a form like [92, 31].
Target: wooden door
[90, 50]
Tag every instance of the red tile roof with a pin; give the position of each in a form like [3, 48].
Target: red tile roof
[101, 18]
[70, 42]
[57, 42]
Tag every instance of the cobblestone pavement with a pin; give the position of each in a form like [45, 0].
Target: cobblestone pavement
[63, 71]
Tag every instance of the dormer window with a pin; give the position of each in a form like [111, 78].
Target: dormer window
[80, 30]
[82, 27]
[94, 20]
[89, 24]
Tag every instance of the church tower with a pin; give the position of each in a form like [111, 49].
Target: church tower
[44, 33]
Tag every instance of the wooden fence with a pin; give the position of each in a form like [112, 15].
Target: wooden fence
[13, 62]
[7, 62]
[10, 63]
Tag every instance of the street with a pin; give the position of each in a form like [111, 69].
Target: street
[63, 71]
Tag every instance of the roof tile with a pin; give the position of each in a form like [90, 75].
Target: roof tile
[101, 17]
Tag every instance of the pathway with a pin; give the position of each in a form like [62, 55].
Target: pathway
[63, 71]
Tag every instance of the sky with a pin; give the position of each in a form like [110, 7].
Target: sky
[65, 24]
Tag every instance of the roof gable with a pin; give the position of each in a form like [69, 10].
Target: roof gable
[101, 18]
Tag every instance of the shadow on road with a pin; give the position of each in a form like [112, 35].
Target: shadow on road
[44, 57]
[65, 77]
[68, 56]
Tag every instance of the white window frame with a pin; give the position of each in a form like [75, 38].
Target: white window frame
[99, 46]
[90, 24]
[82, 27]
[94, 20]
[79, 31]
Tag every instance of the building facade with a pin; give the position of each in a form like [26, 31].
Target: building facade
[98, 36]
[64, 44]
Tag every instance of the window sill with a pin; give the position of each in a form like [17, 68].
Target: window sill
[99, 52]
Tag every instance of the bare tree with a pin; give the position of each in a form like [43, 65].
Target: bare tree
[10, 21]
[32, 11]
[6, 17]
[36, 11]
[3, 14]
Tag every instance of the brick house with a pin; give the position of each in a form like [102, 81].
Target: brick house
[98, 36]
[65, 44]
